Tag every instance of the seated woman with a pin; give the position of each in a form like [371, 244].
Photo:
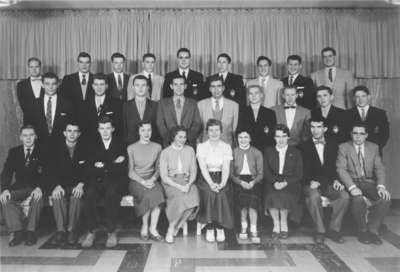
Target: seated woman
[178, 170]
[144, 185]
[247, 173]
[283, 170]
[216, 203]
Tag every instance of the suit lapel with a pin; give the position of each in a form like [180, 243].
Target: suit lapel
[296, 118]
[367, 158]
[171, 108]
[184, 110]
[356, 162]
[147, 110]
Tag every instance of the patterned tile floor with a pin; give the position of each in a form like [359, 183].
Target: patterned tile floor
[194, 254]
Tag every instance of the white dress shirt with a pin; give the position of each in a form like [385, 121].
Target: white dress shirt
[36, 84]
[293, 77]
[116, 78]
[320, 150]
[220, 103]
[282, 155]
[290, 113]
[245, 168]
[333, 72]
[84, 87]
[107, 144]
[184, 70]
[53, 106]
[223, 75]
[366, 108]
[99, 100]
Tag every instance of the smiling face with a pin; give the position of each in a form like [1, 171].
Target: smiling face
[34, 68]
[293, 67]
[264, 68]
[145, 132]
[180, 138]
[50, 86]
[84, 64]
[183, 60]
[214, 133]
[99, 86]
[118, 65]
[178, 86]
[244, 139]
[106, 130]
[328, 58]
[216, 88]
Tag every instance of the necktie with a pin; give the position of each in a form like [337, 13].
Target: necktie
[363, 115]
[36, 79]
[178, 104]
[99, 108]
[27, 156]
[222, 77]
[119, 82]
[83, 79]
[150, 86]
[217, 108]
[319, 142]
[184, 74]
[49, 115]
[290, 80]
[263, 82]
[361, 160]
[330, 75]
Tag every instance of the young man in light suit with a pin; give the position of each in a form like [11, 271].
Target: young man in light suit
[217, 107]
[361, 170]
[340, 80]
[271, 86]
[155, 81]
[178, 110]
[295, 117]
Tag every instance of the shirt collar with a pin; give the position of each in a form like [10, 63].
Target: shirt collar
[294, 76]
[184, 70]
[86, 75]
[281, 150]
[36, 78]
[332, 67]
[146, 74]
[31, 148]
[224, 75]
[357, 147]
[366, 108]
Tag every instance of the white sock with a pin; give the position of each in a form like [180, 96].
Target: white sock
[284, 226]
[253, 228]
[244, 225]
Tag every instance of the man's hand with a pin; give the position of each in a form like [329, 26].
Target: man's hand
[37, 194]
[355, 192]
[99, 164]
[77, 192]
[58, 192]
[314, 184]
[5, 196]
[338, 186]
[383, 193]
[120, 159]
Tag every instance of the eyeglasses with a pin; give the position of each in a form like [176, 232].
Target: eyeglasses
[359, 133]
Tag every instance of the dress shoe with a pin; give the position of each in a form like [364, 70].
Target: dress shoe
[363, 237]
[284, 235]
[374, 239]
[112, 240]
[31, 238]
[59, 238]
[319, 238]
[336, 236]
[72, 238]
[156, 237]
[18, 238]
[88, 240]
[275, 235]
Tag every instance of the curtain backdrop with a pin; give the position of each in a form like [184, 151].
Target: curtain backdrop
[366, 40]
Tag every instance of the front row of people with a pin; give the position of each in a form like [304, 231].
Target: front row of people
[79, 177]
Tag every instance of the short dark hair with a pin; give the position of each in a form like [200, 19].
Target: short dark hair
[283, 128]
[324, 88]
[183, 49]
[318, 119]
[50, 75]
[27, 127]
[140, 77]
[148, 55]
[84, 55]
[178, 76]
[293, 57]
[105, 120]
[254, 86]
[34, 59]
[326, 49]
[145, 122]
[117, 55]
[214, 78]
[359, 124]
[174, 131]
[241, 130]
[72, 123]
[100, 76]
[260, 58]
[213, 122]
[361, 88]
[288, 87]
[224, 55]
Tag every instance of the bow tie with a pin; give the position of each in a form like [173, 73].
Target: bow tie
[319, 142]
[289, 107]
[36, 79]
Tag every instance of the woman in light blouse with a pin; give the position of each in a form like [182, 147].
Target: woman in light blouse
[144, 182]
[247, 173]
[283, 171]
[216, 203]
[178, 170]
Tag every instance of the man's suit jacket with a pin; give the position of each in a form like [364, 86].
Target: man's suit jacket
[230, 118]
[89, 117]
[324, 173]
[113, 89]
[64, 113]
[157, 82]
[272, 92]
[66, 171]
[131, 120]
[234, 88]
[341, 86]
[71, 89]
[349, 169]
[336, 123]
[26, 97]
[262, 129]
[111, 172]
[167, 119]
[305, 89]
[376, 121]
[194, 81]
[26, 174]
[300, 131]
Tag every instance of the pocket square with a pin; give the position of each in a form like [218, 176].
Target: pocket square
[63, 114]
[109, 112]
[300, 87]
[81, 162]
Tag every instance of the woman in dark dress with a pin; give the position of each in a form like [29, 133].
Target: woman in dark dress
[258, 120]
[283, 171]
[247, 173]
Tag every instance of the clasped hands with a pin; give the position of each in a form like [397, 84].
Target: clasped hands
[100, 164]
[247, 185]
[279, 185]
[216, 187]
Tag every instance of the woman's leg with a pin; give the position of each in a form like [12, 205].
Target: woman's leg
[243, 219]
[253, 220]
[275, 218]
[155, 214]
[184, 217]
[284, 214]
[145, 224]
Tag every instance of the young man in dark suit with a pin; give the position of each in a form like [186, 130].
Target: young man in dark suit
[304, 85]
[98, 106]
[234, 86]
[178, 110]
[118, 80]
[194, 79]
[77, 87]
[68, 176]
[375, 119]
[107, 170]
[333, 116]
[30, 89]
[320, 179]
[26, 163]
[51, 112]
[138, 110]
